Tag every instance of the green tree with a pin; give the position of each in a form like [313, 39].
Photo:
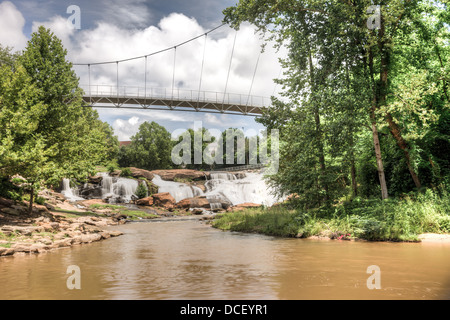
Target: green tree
[46, 134]
[332, 40]
[150, 148]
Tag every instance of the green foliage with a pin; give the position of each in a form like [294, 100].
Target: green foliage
[126, 172]
[150, 148]
[371, 219]
[342, 80]
[142, 190]
[112, 166]
[40, 200]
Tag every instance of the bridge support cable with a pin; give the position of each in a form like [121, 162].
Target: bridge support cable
[201, 72]
[253, 79]
[145, 83]
[173, 74]
[117, 80]
[229, 69]
[89, 82]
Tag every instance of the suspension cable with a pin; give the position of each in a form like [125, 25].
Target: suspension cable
[174, 66]
[229, 68]
[201, 71]
[253, 79]
[153, 53]
[145, 82]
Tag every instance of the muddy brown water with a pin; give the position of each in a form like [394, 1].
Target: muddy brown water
[188, 259]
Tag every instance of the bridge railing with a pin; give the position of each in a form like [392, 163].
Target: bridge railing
[174, 94]
[243, 167]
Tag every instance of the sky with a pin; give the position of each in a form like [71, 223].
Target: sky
[110, 30]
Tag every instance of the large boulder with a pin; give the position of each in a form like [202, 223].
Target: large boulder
[95, 179]
[196, 202]
[181, 174]
[145, 201]
[91, 191]
[6, 202]
[243, 206]
[141, 173]
[164, 199]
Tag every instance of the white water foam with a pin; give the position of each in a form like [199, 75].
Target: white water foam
[71, 194]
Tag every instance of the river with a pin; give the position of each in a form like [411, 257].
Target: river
[188, 259]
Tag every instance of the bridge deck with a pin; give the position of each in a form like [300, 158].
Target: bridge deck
[177, 100]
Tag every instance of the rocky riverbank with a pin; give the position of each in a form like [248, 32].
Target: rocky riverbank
[50, 227]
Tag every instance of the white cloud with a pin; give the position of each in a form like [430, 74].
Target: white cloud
[133, 120]
[11, 26]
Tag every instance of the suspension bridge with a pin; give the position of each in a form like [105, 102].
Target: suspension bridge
[173, 98]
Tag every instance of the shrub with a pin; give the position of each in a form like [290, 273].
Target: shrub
[126, 172]
[142, 190]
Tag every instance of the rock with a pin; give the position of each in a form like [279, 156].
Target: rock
[197, 211]
[115, 173]
[49, 206]
[105, 235]
[62, 243]
[90, 202]
[187, 174]
[164, 200]
[22, 247]
[196, 202]
[40, 208]
[141, 173]
[114, 233]
[88, 238]
[201, 186]
[145, 201]
[6, 251]
[91, 191]
[6, 202]
[10, 211]
[95, 179]
[243, 206]
[239, 175]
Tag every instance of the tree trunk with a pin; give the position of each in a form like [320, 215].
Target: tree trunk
[353, 174]
[395, 131]
[376, 143]
[393, 127]
[376, 140]
[318, 133]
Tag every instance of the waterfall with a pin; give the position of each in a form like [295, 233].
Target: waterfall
[252, 188]
[177, 190]
[69, 193]
[107, 186]
[125, 188]
[118, 189]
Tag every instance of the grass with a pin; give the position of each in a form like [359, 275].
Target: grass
[10, 238]
[138, 214]
[75, 214]
[131, 214]
[105, 206]
[386, 220]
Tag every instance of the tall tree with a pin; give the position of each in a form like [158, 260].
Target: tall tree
[46, 134]
[150, 148]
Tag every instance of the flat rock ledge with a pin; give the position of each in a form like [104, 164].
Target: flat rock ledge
[44, 234]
